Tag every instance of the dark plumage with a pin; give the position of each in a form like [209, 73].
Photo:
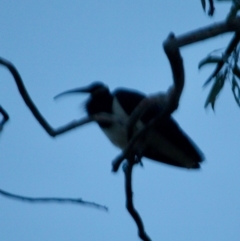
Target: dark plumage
[166, 142]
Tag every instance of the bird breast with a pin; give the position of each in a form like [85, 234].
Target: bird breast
[117, 132]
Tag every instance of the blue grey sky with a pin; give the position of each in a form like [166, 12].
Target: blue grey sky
[58, 45]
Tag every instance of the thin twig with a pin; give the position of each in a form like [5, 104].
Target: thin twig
[28, 101]
[77, 201]
[129, 201]
[102, 117]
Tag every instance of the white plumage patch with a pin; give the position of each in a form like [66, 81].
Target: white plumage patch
[117, 133]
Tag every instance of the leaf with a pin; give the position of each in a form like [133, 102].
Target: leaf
[210, 60]
[203, 4]
[236, 71]
[216, 88]
[235, 87]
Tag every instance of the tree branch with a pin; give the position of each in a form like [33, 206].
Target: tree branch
[26, 96]
[210, 31]
[48, 128]
[170, 99]
[182, 40]
[129, 201]
[77, 201]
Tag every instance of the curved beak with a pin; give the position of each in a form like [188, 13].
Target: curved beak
[73, 91]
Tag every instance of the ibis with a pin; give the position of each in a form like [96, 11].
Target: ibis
[166, 141]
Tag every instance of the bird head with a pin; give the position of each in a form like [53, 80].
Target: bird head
[95, 89]
[100, 98]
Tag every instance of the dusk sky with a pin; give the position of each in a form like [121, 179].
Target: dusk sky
[59, 45]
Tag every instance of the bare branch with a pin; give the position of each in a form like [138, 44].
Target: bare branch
[170, 99]
[171, 48]
[192, 37]
[210, 31]
[103, 117]
[77, 201]
[28, 101]
[129, 201]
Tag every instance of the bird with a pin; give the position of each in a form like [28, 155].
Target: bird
[166, 142]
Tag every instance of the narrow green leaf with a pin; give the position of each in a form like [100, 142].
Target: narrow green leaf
[236, 71]
[216, 88]
[210, 60]
[203, 4]
[235, 87]
[209, 79]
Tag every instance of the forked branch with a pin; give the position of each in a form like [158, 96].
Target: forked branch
[170, 99]
[183, 40]
[53, 132]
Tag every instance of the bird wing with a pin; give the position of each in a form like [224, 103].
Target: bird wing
[128, 99]
[167, 142]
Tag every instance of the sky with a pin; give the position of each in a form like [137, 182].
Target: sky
[59, 45]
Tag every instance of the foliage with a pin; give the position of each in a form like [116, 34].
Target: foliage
[227, 63]
[230, 71]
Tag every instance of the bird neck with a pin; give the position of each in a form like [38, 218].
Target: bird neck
[100, 102]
